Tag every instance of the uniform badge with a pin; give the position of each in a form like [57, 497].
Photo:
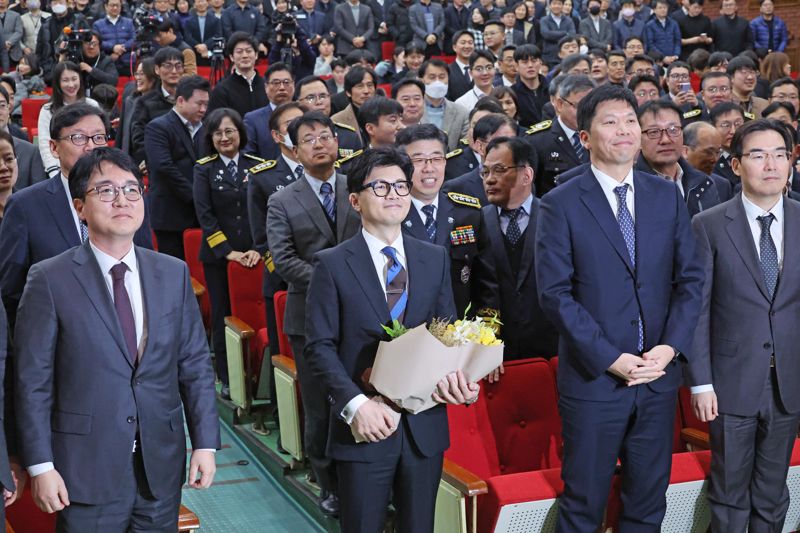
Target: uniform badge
[219, 176]
[450, 220]
[465, 274]
[462, 235]
[408, 223]
[279, 187]
[554, 155]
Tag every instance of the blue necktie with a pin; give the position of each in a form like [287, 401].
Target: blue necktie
[396, 282]
[298, 171]
[769, 254]
[513, 232]
[326, 190]
[232, 169]
[430, 221]
[625, 221]
[579, 149]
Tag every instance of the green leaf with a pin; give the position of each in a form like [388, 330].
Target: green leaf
[396, 330]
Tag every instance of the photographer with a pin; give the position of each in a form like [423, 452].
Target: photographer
[96, 67]
[291, 47]
[243, 89]
[169, 35]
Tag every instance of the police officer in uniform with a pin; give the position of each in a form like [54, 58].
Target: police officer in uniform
[461, 161]
[349, 139]
[220, 199]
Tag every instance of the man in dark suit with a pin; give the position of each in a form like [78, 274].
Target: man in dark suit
[456, 19]
[350, 33]
[279, 85]
[172, 144]
[311, 20]
[460, 79]
[599, 31]
[510, 226]
[427, 22]
[617, 274]
[40, 221]
[374, 278]
[309, 215]
[744, 369]
[242, 16]
[110, 350]
[12, 476]
[200, 30]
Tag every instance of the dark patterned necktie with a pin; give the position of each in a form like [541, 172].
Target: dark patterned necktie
[232, 169]
[769, 254]
[122, 303]
[84, 230]
[430, 221]
[513, 232]
[626, 226]
[580, 151]
[326, 190]
[396, 282]
[298, 171]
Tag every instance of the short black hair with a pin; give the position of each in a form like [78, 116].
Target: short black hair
[723, 108]
[372, 158]
[167, 53]
[615, 53]
[457, 35]
[356, 76]
[493, 22]
[433, 62]
[567, 38]
[276, 67]
[276, 116]
[168, 25]
[774, 106]
[711, 76]
[489, 125]
[485, 54]
[213, 121]
[308, 80]
[653, 107]
[740, 62]
[632, 38]
[309, 119]
[522, 152]
[527, 51]
[89, 163]
[718, 58]
[754, 126]
[416, 82]
[587, 108]
[5, 136]
[421, 132]
[678, 64]
[595, 53]
[780, 83]
[375, 108]
[415, 47]
[72, 114]
[240, 37]
[338, 62]
[644, 78]
[487, 103]
[572, 60]
[188, 85]
[638, 57]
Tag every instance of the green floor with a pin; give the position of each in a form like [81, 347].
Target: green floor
[245, 498]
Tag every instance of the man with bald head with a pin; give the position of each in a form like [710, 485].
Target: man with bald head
[701, 145]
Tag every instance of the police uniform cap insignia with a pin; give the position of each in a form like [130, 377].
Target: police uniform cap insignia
[266, 165]
[553, 154]
[463, 235]
[207, 159]
[344, 126]
[692, 113]
[749, 116]
[454, 153]
[541, 126]
[464, 199]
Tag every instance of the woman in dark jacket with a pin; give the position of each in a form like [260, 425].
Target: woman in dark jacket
[220, 200]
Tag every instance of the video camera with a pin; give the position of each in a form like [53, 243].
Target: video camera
[146, 30]
[288, 26]
[218, 48]
[73, 39]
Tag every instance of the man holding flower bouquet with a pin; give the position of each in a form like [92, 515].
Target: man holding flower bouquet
[357, 287]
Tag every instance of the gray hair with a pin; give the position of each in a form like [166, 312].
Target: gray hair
[575, 83]
[692, 131]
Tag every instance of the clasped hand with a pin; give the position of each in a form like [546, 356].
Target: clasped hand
[649, 367]
[454, 389]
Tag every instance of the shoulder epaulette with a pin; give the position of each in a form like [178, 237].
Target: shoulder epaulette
[255, 158]
[464, 142]
[464, 199]
[692, 113]
[541, 126]
[347, 158]
[207, 159]
[454, 153]
[344, 126]
[266, 165]
[749, 116]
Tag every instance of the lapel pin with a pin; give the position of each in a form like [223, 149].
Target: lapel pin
[450, 220]
[408, 223]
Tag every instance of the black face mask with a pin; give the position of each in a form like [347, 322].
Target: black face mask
[594, 10]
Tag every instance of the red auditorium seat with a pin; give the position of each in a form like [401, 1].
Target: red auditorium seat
[191, 247]
[284, 346]
[30, 114]
[387, 50]
[387, 88]
[287, 388]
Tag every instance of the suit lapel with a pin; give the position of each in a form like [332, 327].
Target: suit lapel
[595, 201]
[360, 263]
[152, 287]
[791, 248]
[414, 226]
[444, 221]
[528, 245]
[184, 135]
[89, 276]
[739, 232]
[415, 266]
[497, 241]
[344, 213]
[308, 199]
[58, 204]
[565, 143]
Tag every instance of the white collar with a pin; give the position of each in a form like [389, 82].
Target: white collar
[569, 132]
[106, 262]
[753, 211]
[226, 160]
[375, 245]
[418, 204]
[292, 164]
[608, 183]
[526, 206]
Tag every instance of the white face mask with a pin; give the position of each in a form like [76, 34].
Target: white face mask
[628, 12]
[58, 9]
[287, 141]
[436, 90]
[583, 49]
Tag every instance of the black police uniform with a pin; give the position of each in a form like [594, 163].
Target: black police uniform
[460, 161]
[266, 179]
[221, 204]
[459, 229]
[470, 184]
[555, 154]
[348, 138]
[343, 164]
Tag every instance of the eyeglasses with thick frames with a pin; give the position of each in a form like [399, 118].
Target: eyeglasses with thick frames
[656, 133]
[108, 193]
[167, 67]
[80, 139]
[381, 188]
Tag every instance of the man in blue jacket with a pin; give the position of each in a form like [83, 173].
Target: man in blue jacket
[663, 34]
[769, 30]
[117, 34]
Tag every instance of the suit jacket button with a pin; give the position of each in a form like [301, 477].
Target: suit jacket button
[131, 419]
[767, 345]
[331, 400]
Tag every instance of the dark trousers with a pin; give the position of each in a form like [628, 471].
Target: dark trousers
[315, 419]
[272, 324]
[217, 282]
[406, 477]
[137, 511]
[749, 463]
[170, 243]
[637, 429]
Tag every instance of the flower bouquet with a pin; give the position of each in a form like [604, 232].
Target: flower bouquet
[407, 368]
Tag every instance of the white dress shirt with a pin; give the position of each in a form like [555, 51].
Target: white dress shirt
[193, 128]
[380, 261]
[608, 184]
[293, 166]
[569, 132]
[74, 213]
[418, 205]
